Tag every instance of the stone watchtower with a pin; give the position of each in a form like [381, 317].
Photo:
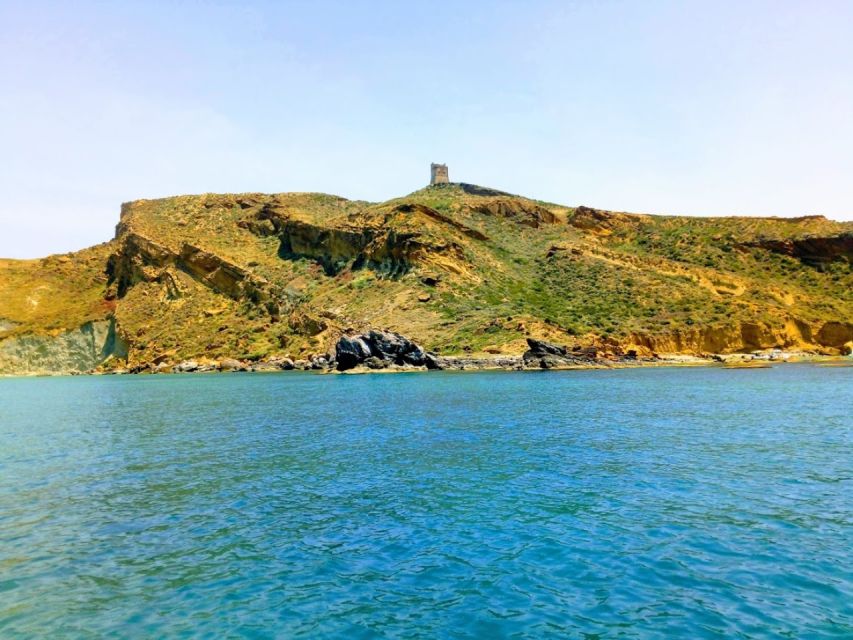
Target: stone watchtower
[438, 174]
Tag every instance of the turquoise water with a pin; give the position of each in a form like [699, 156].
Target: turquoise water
[655, 503]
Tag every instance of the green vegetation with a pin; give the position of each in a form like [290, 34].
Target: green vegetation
[456, 267]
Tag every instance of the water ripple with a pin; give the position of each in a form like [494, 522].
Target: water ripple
[626, 504]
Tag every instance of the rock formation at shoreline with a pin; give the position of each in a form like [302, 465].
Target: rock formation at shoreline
[466, 274]
[379, 350]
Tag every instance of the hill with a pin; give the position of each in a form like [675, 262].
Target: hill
[459, 269]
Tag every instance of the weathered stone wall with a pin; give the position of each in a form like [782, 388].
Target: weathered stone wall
[438, 174]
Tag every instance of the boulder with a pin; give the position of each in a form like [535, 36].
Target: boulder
[280, 362]
[319, 362]
[186, 366]
[230, 364]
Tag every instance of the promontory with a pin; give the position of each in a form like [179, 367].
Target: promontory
[457, 269]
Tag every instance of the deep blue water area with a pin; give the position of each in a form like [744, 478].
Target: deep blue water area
[634, 503]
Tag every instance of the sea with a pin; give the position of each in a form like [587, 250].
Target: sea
[633, 503]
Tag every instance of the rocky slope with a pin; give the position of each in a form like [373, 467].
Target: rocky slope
[461, 270]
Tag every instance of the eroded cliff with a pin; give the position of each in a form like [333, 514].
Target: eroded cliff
[460, 269]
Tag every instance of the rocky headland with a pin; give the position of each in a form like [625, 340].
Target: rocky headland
[450, 277]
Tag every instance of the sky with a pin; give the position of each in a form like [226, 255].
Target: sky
[690, 108]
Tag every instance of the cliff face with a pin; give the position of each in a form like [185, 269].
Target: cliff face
[828, 337]
[461, 269]
[74, 351]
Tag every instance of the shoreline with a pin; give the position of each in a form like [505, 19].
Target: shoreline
[471, 364]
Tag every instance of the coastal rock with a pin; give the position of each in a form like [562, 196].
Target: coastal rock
[230, 364]
[546, 355]
[186, 366]
[540, 348]
[392, 346]
[550, 361]
[286, 364]
[376, 363]
[320, 362]
[264, 366]
[350, 351]
[381, 348]
[589, 353]
[465, 363]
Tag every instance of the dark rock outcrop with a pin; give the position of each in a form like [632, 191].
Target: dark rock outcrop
[385, 349]
[375, 363]
[546, 355]
[379, 349]
[351, 351]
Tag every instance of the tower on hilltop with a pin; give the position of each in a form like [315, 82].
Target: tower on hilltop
[438, 174]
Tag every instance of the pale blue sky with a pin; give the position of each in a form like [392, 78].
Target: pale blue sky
[697, 108]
